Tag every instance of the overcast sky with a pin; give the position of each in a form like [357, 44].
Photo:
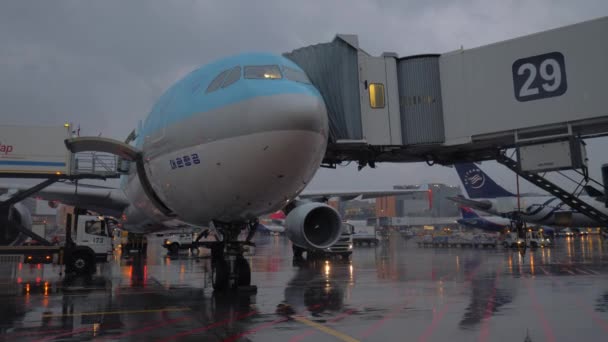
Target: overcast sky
[102, 64]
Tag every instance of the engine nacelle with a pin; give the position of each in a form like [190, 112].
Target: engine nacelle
[18, 215]
[313, 226]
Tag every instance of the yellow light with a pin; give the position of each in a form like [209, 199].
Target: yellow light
[58, 173]
[267, 76]
[66, 125]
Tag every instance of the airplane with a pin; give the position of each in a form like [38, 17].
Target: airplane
[486, 195]
[471, 219]
[497, 224]
[231, 141]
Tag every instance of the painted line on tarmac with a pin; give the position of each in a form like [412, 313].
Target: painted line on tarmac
[337, 334]
[487, 315]
[544, 271]
[121, 312]
[208, 327]
[540, 313]
[256, 329]
[581, 270]
[149, 327]
[340, 317]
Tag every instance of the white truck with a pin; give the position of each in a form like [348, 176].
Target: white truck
[533, 239]
[365, 234]
[88, 241]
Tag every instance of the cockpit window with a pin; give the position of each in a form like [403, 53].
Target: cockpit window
[217, 82]
[233, 76]
[263, 71]
[295, 75]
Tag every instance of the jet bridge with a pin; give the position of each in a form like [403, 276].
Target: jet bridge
[462, 105]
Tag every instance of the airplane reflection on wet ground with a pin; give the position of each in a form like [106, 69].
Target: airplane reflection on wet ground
[394, 291]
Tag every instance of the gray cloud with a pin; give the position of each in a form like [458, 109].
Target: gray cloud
[103, 64]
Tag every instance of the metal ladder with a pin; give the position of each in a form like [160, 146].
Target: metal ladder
[566, 197]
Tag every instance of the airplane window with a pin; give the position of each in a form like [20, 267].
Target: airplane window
[295, 75]
[217, 82]
[233, 76]
[263, 71]
[376, 95]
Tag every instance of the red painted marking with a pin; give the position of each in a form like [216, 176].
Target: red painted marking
[72, 332]
[150, 327]
[254, 330]
[41, 332]
[547, 330]
[485, 329]
[431, 328]
[208, 327]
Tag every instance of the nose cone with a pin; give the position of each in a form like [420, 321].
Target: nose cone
[290, 112]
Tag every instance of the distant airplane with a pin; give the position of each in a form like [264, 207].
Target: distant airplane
[485, 195]
[230, 142]
[471, 219]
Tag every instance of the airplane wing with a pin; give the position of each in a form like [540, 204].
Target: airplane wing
[105, 200]
[481, 205]
[349, 195]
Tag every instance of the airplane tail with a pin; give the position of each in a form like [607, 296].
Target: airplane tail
[478, 184]
[468, 213]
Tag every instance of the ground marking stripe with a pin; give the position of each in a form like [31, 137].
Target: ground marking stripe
[339, 335]
[116, 312]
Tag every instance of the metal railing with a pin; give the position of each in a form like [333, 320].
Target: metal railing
[97, 163]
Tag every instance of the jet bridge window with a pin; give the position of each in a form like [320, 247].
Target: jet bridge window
[233, 76]
[263, 72]
[376, 95]
[295, 75]
[217, 82]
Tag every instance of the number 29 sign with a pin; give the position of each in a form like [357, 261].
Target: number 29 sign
[539, 77]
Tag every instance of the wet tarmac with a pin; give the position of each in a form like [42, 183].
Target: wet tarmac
[393, 292]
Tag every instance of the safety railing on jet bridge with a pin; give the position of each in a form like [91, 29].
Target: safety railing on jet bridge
[97, 163]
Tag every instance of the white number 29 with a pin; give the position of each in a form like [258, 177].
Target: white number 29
[552, 77]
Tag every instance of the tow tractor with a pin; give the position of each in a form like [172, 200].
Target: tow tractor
[88, 241]
[531, 239]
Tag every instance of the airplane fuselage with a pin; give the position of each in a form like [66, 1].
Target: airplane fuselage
[227, 153]
[545, 210]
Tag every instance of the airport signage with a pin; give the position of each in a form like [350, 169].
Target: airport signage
[33, 150]
[539, 77]
[5, 149]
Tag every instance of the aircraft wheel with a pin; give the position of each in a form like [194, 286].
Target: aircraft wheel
[243, 272]
[219, 275]
[174, 248]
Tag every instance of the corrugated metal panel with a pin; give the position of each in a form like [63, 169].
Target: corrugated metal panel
[420, 100]
[333, 69]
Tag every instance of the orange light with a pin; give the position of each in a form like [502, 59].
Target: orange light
[58, 173]
[29, 257]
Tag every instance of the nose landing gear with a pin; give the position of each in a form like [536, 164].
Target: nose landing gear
[229, 268]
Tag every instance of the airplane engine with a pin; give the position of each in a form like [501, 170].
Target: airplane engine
[18, 215]
[313, 226]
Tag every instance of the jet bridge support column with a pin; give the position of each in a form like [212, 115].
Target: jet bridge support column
[573, 201]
